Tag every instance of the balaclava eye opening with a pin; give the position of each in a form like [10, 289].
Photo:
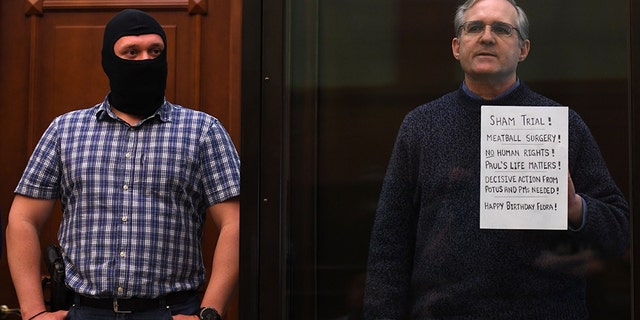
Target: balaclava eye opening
[137, 86]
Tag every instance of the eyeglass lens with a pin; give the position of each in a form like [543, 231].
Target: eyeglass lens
[499, 28]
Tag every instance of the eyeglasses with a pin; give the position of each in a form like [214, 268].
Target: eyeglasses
[502, 29]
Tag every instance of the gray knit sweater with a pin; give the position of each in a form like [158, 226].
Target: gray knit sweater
[429, 259]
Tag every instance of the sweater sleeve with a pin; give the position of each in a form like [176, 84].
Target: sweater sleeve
[606, 228]
[387, 293]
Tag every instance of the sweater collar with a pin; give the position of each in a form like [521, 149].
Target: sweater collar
[479, 98]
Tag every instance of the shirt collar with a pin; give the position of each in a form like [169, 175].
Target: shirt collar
[477, 97]
[105, 111]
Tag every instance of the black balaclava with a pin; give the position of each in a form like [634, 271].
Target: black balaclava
[137, 86]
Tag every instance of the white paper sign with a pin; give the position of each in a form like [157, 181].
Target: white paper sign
[524, 167]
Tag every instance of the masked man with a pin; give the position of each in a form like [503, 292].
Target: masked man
[136, 177]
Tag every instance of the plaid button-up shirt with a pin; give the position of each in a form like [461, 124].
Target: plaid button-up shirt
[133, 197]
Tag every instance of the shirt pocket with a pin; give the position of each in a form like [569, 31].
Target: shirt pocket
[168, 174]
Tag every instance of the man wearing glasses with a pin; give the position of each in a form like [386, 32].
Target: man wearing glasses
[428, 258]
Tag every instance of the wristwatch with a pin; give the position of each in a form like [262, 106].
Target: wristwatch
[208, 313]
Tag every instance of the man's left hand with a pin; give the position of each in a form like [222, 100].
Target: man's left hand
[575, 205]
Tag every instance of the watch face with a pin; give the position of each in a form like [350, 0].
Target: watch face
[209, 314]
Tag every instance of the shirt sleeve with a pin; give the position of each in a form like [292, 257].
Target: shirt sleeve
[41, 178]
[221, 165]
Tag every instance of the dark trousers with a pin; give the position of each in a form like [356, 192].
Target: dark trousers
[83, 312]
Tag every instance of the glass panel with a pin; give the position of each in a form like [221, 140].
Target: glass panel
[378, 59]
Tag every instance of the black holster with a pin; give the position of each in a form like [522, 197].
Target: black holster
[61, 297]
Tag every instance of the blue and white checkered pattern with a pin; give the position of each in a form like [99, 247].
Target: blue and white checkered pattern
[133, 197]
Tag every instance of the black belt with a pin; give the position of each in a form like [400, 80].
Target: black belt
[131, 305]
